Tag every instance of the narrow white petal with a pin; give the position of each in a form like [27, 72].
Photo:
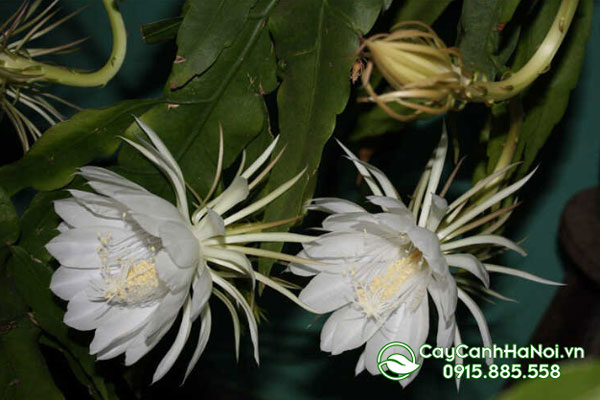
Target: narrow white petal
[262, 237]
[176, 179]
[260, 160]
[277, 287]
[388, 189]
[363, 171]
[478, 186]
[360, 365]
[457, 360]
[234, 318]
[438, 209]
[470, 263]
[202, 288]
[437, 166]
[479, 318]
[184, 331]
[333, 205]
[233, 292]
[484, 239]
[264, 201]
[230, 259]
[203, 336]
[234, 194]
[520, 274]
[485, 205]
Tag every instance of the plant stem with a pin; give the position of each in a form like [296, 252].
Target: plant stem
[540, 61]
[68, 76]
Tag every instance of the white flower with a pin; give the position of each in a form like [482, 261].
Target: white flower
[381, 267]
[131, 260]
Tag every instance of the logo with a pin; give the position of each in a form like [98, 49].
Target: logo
[396, 366]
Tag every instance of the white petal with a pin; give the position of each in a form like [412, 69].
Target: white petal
[105, 175]
[439, 206]
[407, 326]
[210, 226]
[67, 282]
[202, 288]
[333, 205]
[479, 318]
[166, 312]
[78, 248]
[180, 243]
[236, 192]
[99, 205]
[141, 345]
[175, 277]
[363, 171]
[398, 223]
[444, 294]
[352, 330]
[83, 313]
[182, 335]
[327, 292]
[203, 336]
[360, 365]
[348, 222]
[119, 324]
[428, 243]
[260, 160]
[76, 215]
[389, 204]
[470, 263]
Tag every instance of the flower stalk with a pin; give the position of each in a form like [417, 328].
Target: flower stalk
[30, 70]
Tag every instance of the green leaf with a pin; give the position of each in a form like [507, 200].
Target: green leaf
[578, 381]
[161, 31]
[229, 92]
[38, 224]
[9, 221]
[207, 28]
[54, 158]
[478, 34]
[315, 41]
[32, 279]
[546, 100]
[23, 371]
[419, 10]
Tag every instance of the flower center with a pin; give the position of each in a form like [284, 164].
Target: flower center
[129, 269]
[380, 295]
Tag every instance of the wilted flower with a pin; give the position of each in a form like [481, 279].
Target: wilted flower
[382, 267]
[427, 77]
[131, 260]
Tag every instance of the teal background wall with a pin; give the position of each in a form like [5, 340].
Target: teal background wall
[292, 366]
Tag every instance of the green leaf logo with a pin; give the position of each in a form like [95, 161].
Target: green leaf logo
[396, 366]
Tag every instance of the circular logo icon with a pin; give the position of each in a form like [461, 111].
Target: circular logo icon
[396, 366]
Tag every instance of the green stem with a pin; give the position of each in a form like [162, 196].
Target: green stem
[539, 62]
[70, 77]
